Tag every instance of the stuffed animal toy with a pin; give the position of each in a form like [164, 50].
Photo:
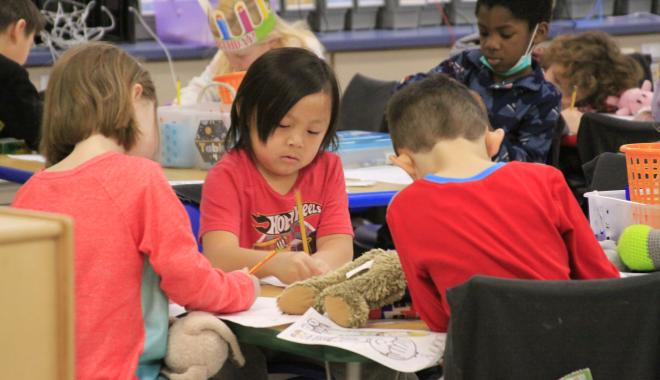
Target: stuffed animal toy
[655, 104]
[198, 346]
[639, 248]
[348, 293]
[633, 101]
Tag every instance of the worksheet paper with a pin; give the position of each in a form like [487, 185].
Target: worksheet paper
[264, 313]
[385, 173]
[401, 350]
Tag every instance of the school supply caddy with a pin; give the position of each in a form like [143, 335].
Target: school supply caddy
[193, 136]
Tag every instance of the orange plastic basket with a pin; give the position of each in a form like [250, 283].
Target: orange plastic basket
[643, 166]
[232, 79]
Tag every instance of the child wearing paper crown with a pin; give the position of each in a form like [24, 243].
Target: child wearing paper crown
[519, 100]
[133, 243]
[282, 122]
[244, 30]
[465, 215]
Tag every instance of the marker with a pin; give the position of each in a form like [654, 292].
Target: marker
[573, 97]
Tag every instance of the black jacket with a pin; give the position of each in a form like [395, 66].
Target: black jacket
[20, 106]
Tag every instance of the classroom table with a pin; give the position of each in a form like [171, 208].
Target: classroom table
[378, 194]
[267, 338]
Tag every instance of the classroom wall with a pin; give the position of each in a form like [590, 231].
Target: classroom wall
[381, 64]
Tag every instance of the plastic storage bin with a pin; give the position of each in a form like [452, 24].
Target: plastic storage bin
[182, 21]
[192, 136]
[643, 167]
[361, 148]
[575, 9]
[462, 12]
[610, 213]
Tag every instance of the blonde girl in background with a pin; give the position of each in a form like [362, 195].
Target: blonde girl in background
[237, 52]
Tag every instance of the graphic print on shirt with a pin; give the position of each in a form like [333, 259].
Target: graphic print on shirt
[282, 230]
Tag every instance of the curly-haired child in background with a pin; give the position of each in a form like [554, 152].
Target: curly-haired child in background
[592, 65]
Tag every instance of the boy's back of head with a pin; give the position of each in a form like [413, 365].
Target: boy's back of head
[436, 108]
[12, 11]
[533, 12]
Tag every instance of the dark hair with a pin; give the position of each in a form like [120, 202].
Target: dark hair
[273, 84]
[13, 10]
[533, 12]
[436, 108]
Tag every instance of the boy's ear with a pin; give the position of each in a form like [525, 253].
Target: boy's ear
[405, 162]
[541, 32]
[494, 141]
[17, 29]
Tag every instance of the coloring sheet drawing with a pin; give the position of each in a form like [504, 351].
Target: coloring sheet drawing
[401, 350]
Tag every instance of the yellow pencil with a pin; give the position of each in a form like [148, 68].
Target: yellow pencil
[301, 220]
[263, 261]
[573, 97]
[178, 92]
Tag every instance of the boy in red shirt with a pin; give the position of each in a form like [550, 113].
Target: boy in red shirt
[465, 215]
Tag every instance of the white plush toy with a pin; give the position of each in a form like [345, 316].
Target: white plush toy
[198, 346]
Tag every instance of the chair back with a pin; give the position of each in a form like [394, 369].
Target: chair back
[601, 133]
[531, 329]
[363, 104]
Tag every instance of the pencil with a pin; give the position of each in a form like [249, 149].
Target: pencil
[573, 97]
[262, 262]
[301, 220]
[178, 92]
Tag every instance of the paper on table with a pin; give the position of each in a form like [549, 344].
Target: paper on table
[385, 173]
[401, 350]
[272, 280]
[188, 182]
[264, 313]
[28, 157]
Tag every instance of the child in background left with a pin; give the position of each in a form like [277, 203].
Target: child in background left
[282, 122]
[20, 106]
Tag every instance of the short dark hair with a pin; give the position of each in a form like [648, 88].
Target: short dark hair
[435, 108]
[13, 10]
[533, 12]
[273, 84]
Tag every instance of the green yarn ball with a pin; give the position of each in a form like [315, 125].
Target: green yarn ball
[633, 248]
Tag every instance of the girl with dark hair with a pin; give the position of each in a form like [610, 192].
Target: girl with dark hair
[282, 122]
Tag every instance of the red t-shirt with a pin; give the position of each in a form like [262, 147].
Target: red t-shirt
[514, 220]
[124, 212]
[236, 198]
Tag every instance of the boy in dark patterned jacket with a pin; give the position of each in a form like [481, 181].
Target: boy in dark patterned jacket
[519, 100]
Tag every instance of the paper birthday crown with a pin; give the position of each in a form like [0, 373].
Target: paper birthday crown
[246, 30]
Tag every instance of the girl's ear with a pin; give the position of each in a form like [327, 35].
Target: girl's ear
[137, 91]
[541, 32]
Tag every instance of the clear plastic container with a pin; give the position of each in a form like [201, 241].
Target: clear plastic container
[192, 136]
[610, 213]
[362, 148]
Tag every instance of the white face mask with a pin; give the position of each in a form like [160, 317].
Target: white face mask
[524, 62]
